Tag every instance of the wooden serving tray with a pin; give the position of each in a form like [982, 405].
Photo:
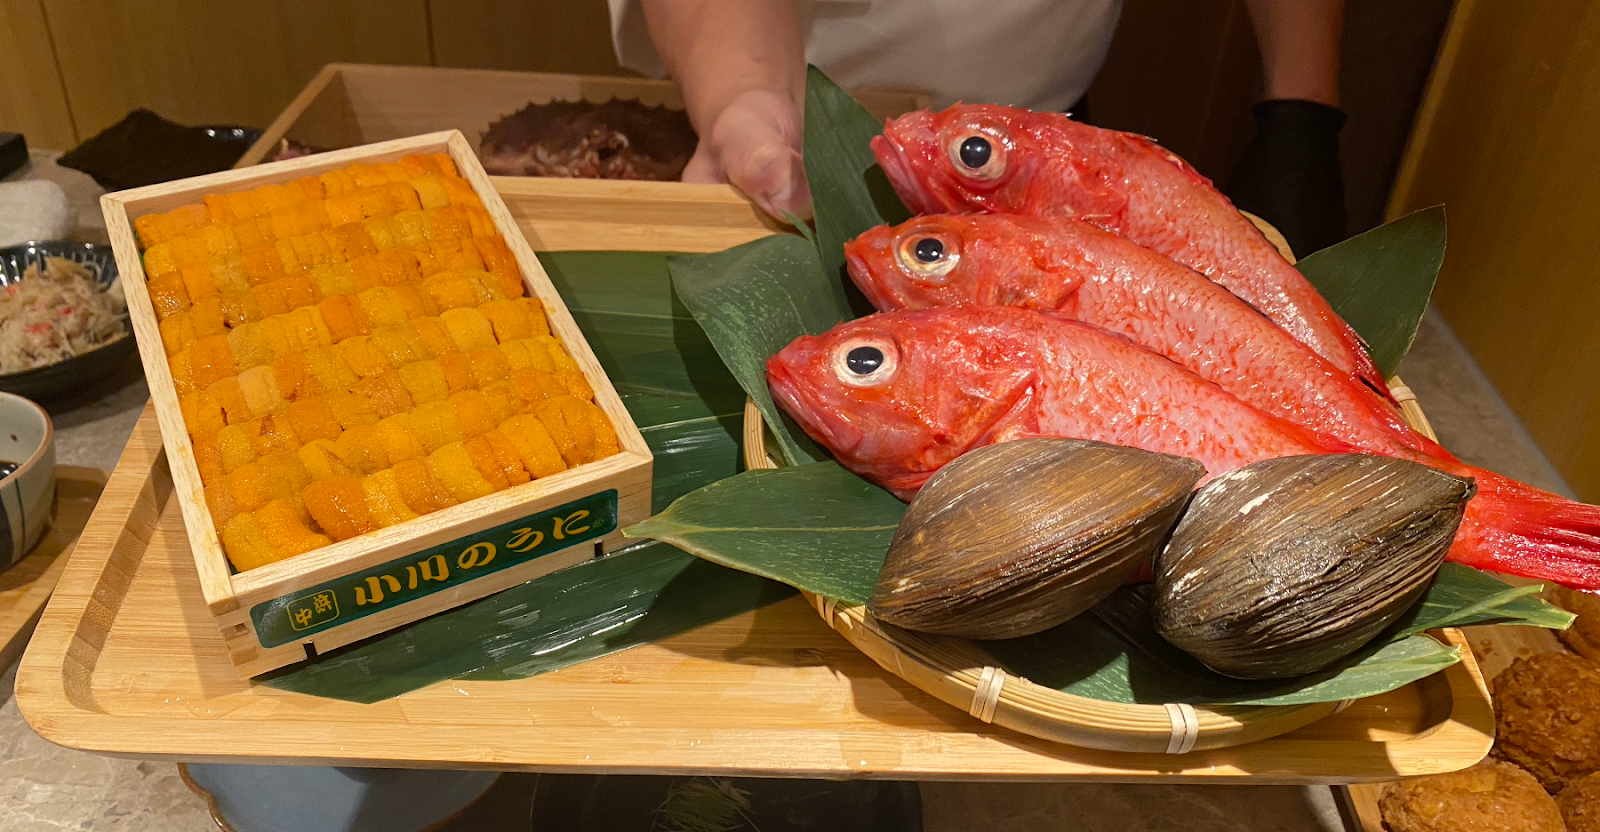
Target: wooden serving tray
[127, 662]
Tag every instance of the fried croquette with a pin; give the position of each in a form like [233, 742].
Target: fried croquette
[1547, 717]
[1580, 804]
[1583, 637]
[1492, 796]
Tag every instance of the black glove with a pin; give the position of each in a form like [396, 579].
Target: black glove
[1290, 176]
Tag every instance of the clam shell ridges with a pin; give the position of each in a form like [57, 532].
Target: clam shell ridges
[1279, 568]
[1018, 537]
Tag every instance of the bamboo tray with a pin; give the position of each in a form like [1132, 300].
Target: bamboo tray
[963, 675]
[126, 662]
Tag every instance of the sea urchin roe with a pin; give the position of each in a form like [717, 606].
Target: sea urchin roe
[354, 350]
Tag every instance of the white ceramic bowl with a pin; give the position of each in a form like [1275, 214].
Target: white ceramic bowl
[28, 494]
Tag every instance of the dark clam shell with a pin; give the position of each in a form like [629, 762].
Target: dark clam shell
[1283, 567]
[1015, 538]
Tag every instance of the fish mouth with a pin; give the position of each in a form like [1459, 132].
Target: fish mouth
[861, 275]
[894, 160]
[810, 411]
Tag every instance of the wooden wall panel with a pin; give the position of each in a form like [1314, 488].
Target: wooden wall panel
[1387, 52]
[32, 101]
[1185, 72]
[1181, 72]
[202, 61]
[1506, 143]
[531, 35]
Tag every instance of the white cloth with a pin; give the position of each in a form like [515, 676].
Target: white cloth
[36, 209]
[1039, 54]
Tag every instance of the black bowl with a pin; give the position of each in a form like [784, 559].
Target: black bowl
[70, 374]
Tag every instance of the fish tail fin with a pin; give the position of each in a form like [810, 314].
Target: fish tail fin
[1519, 530]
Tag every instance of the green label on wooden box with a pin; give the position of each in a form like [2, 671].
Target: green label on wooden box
[292, 617]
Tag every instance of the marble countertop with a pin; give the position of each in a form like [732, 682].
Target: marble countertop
[92, 427]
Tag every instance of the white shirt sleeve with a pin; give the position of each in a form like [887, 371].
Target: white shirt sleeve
[630, 39]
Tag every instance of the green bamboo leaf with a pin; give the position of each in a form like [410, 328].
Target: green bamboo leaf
[585, 612]
[1462, 596]
[1380, 281]
[685, 402]
[1087, 657]
[849, 192]
[690, 410]
[1390, 667]
[824, 530]
[1115, 654]
[815, 527]
[800, 227]
[752, 300]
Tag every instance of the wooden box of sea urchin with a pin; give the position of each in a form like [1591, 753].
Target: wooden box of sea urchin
[470, 540]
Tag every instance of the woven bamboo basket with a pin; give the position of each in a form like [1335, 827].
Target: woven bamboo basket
[962, 674]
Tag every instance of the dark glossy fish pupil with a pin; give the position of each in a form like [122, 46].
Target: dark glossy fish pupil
[975, 152]
[930, 250]
[864, 361]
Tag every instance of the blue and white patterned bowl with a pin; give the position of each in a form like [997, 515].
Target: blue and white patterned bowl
[71, 374]
[27, 495]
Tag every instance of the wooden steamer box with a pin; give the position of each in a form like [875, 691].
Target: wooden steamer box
[283, 612]
[352, 104]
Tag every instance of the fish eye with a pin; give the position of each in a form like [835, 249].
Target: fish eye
[866, 362]
[929, 257]
[863, 361]
[975, 152]
[978, 156]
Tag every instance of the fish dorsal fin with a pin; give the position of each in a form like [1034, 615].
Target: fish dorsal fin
[1152, 146]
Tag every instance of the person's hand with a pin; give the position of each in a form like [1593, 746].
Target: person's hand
[754, 145]
[1290, 174]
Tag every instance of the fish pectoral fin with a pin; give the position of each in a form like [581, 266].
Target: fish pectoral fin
[1018, 421]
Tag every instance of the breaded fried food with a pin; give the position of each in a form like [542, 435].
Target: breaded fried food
[1580, 804]
[1583, 637]
[1492, 796]
[1547, 717]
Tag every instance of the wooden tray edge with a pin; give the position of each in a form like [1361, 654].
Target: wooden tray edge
[65, 642]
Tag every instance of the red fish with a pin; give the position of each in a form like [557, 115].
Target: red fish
[1094, 276]
[898, 395]
[986, 158]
